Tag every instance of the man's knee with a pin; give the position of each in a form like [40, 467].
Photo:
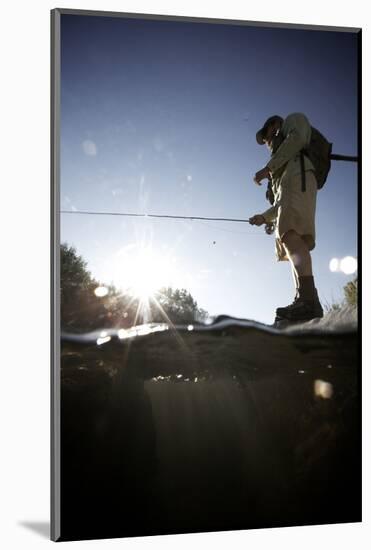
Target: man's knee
[290, 238]
[293, 242]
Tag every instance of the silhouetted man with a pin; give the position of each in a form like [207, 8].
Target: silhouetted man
[294, 188]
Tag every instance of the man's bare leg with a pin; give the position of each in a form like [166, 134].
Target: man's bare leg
[298, 253]
[301, 265]
[295, 277]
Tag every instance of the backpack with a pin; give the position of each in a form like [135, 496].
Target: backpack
[319, 153]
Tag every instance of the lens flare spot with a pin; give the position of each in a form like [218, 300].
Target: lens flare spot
[348, 265]
[334, 265]
[101, 291]
[323, 389]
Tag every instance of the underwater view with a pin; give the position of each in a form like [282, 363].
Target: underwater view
[232, 425]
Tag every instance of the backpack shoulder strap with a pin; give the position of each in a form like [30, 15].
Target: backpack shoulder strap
[303, 183]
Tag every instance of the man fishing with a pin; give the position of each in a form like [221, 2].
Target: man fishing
[293, 188]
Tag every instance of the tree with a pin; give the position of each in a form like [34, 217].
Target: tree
[82, 310]
[350, 296]
[75, 278]
[351, 292]
[179, 305]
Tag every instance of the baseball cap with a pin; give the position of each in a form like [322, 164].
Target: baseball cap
[260, 134]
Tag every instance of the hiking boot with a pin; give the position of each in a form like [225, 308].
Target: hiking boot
[301, 310]
[281, 311]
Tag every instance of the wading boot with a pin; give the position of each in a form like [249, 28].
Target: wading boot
[281, 311]
[302, 310]
[306, 305]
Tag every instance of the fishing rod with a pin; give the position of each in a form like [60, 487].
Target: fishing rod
[333, 156]
[131, 214]
[346, 158]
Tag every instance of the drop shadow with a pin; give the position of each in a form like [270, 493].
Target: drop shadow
[42, 528]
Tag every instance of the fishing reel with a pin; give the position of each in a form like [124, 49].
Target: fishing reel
[269, 228]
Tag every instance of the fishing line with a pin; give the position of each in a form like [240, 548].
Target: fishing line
[231, 230]
[131, 214]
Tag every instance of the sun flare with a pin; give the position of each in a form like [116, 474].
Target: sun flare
[143, 271]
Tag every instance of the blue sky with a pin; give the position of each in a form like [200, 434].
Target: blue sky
[160, 117]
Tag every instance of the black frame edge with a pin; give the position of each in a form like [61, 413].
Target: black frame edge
[55, 492]
[195, 19]
[359, 252]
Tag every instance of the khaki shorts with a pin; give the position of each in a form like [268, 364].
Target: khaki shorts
[296, 211]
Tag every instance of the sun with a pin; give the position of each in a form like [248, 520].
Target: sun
[142, 271]
[147, 275]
